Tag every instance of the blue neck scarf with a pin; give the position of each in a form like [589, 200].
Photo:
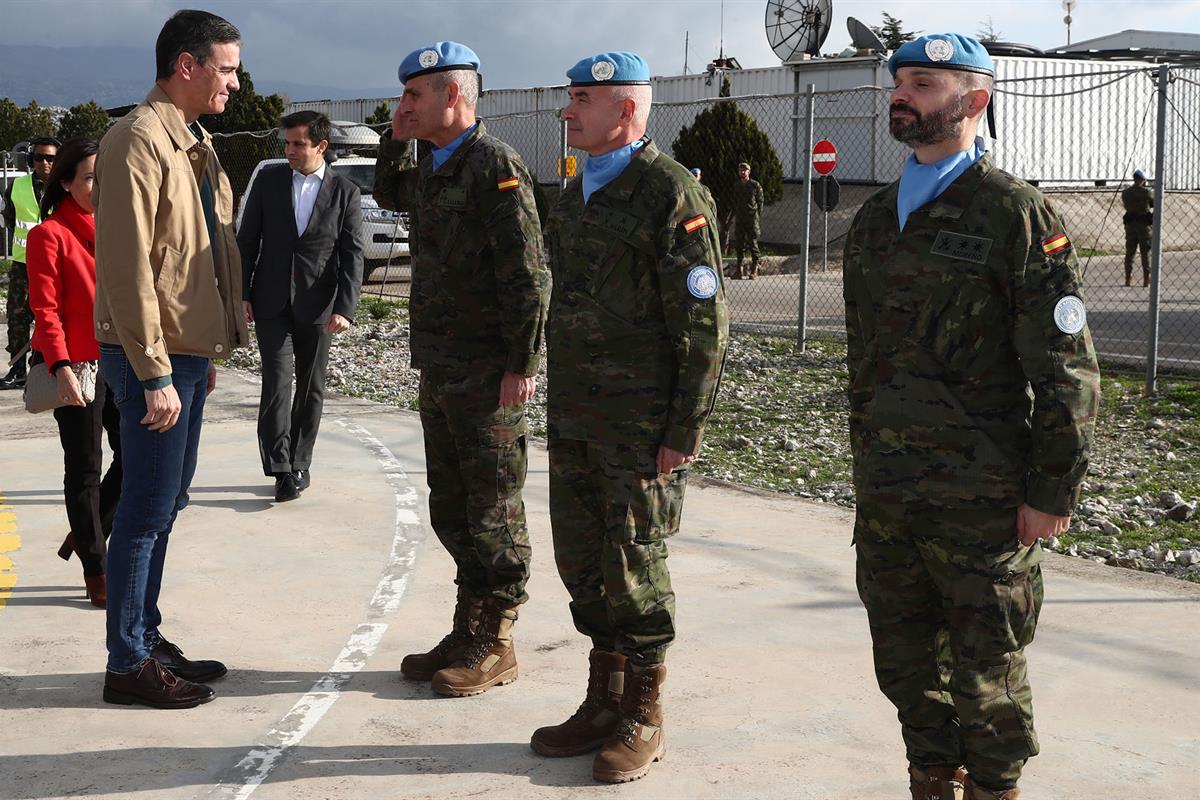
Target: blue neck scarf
[599, 171]
[442, 154]
[921, 183]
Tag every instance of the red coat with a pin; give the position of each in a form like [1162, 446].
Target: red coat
[61, 262]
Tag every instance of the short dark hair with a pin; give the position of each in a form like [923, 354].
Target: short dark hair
[66, 162]
[44, 141]
[190, 31]
[319, 128]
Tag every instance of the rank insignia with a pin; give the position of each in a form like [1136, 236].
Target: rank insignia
[1055, 244]
[961, 247]
[695, 223]
[508, 183]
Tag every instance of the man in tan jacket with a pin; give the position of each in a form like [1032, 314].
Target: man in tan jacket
[168, 291]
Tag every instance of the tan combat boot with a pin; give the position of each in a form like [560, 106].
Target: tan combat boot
[639, 740]
[936, 783]
[489, 660]
[422, 666]
[975, 792]
[596, 720]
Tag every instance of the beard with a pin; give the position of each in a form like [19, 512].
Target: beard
[926, 129]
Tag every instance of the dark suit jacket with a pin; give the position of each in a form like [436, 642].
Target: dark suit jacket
[321, 272]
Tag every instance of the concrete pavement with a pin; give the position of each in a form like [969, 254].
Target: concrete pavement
[312, 604]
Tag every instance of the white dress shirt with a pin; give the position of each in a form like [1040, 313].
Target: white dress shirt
[304, 195]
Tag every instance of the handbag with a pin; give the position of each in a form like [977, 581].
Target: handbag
[41, 388]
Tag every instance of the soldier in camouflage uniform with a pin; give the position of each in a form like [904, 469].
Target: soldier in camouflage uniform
[973, 391]
[1139, 220]
[478, 306]
[636, 343]
[747, 210]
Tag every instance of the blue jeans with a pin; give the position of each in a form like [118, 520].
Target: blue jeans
[158, 469]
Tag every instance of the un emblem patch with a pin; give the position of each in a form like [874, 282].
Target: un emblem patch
[702, 282]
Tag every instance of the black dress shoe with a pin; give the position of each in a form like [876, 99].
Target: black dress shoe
[11, 381]
[171, 657]
[155, 686]
[285, 488]
[303, 478]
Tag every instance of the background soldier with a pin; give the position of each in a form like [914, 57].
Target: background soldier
[478, 306]
[636, 343]
[21, 213]
[747, 211]
[962, 293]
[1139, 218]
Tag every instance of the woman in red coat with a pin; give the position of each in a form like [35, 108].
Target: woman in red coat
[62, 290]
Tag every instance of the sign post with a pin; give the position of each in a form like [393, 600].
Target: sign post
[825, 190]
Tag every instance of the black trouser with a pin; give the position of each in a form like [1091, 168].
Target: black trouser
[287, 424]
[20, 317]
[91, 502]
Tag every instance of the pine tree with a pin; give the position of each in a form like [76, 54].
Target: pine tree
[721, 136]
[988, 32]
[246, 110]
[382, 114]
[86, 120]
[892, 32]
[23, 124]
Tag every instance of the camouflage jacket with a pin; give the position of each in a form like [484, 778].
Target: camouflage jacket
[1139, 204]
[479, 281]
[638, 322]
[747, 201]
[950, 324]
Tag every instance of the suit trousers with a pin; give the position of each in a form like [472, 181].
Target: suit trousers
[91, 502]
[288, 422]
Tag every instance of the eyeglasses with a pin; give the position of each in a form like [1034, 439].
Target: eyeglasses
[47, 157]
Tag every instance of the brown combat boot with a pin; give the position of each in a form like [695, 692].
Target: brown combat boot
[975, 792]
[752, 273]
[596, 720]
[639, 740]
[936, 783]
[422, 666]
[489, 660]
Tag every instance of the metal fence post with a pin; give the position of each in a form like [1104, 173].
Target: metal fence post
[1156, 240]
[562, 154]
[805, 226]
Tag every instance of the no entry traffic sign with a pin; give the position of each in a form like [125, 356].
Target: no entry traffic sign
[824, 157]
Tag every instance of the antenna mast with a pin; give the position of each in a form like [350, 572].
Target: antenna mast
[722, 29]
[686, 35]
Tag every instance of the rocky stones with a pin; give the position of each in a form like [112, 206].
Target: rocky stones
[1182, 512]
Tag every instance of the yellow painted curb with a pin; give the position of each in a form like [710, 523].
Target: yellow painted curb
[9, 542]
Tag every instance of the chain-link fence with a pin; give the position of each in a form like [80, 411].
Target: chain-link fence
[1078, 132]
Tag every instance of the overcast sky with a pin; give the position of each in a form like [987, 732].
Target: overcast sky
[359, 43]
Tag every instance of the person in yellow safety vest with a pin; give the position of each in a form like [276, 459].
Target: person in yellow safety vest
[21, 201]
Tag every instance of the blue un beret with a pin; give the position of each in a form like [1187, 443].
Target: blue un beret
[438, 57]
[943, 51]
[617, 68]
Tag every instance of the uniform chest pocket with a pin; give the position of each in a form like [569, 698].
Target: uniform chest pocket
[962, 321]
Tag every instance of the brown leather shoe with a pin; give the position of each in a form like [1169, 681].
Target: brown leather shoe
[639, 740]
[97, 590]
[490, 659]
[155, 686]
[595, 721]
[452, 647]
[172, 658]
[974, 792]
[936, 783]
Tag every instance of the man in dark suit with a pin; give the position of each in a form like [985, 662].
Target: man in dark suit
[302, 256]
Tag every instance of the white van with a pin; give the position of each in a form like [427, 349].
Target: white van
[385, 233]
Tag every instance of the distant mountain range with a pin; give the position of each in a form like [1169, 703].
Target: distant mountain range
[116, 76]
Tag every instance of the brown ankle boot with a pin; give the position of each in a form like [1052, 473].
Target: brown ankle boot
[489, 660]
[422, 666]
[936, 783]
[975, 792]
[639, 740]
[97, 590]
[593, 724]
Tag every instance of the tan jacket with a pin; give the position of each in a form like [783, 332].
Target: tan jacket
[158, 290]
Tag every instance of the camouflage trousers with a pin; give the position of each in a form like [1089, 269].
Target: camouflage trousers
[745, 239]
[952, 599]
[611, 514]
[475, 461]
[20, 316]
[1137, 238]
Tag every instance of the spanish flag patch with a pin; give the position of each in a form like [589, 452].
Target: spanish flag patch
[695, 223]
[507, 183]
[1055, 244]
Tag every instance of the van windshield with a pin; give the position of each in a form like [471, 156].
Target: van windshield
[363, 175]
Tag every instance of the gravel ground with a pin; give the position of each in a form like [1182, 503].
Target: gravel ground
[780, 425]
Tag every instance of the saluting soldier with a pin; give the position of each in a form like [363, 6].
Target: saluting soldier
[1138, 201]
[973, 390]
[478, 307]
[636, 344]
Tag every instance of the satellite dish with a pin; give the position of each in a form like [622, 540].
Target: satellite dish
[862, 37]
[796, 28]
